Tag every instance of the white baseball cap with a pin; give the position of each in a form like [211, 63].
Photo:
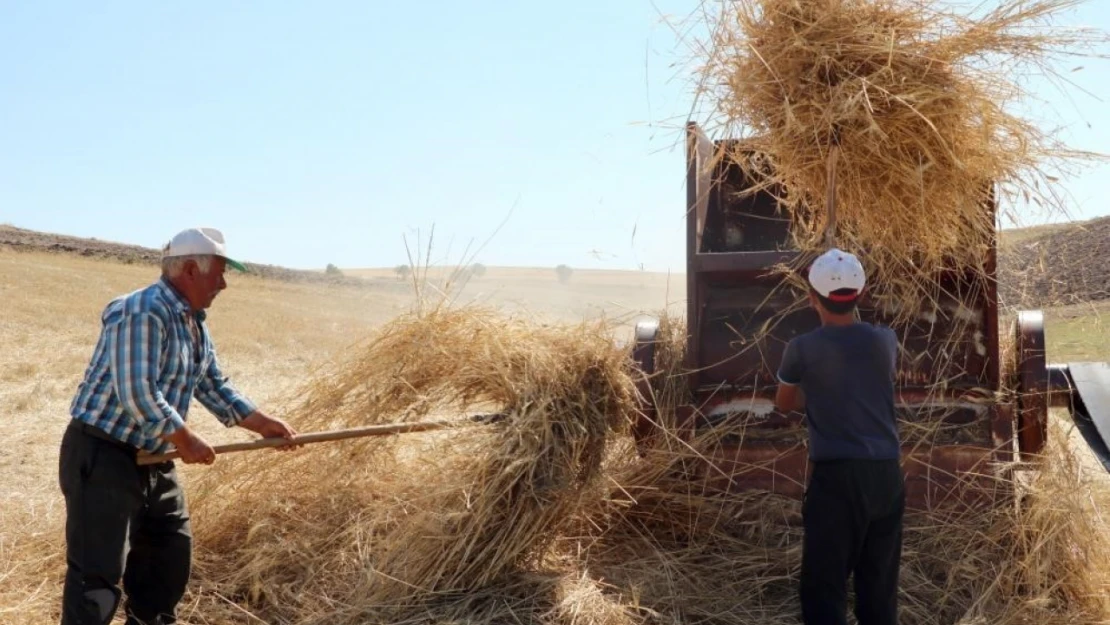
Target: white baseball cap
[837, 269]
[201, 242]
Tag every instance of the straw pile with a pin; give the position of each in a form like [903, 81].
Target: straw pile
[693, 555]
[548, 515]
[380, 529]
[508, 522]
[677, 550]
[919, 99]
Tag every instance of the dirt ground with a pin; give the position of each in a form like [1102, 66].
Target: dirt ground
[276, 328]
[1062, 265]
[271, 334]
[30, 240]
[1056, 265]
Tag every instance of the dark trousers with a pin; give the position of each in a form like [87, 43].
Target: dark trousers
[124, 522]
[852, 517]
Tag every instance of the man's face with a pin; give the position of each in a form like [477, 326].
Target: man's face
[204, 287]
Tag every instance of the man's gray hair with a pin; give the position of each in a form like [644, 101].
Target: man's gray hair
[174, 265]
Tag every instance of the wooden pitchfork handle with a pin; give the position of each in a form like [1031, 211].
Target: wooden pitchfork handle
[830, 194]
[334, 435]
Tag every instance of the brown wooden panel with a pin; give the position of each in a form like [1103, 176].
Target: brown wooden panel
[935, 477]
[745, 220]
[744, 328]
[757, 262]
[728, 292]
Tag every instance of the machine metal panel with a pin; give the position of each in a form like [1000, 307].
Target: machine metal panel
[1091, 409]
[742, 310]
[738, 233]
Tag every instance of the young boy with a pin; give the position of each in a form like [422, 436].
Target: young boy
[843, 374]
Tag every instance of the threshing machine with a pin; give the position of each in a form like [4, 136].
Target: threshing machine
[992, 412]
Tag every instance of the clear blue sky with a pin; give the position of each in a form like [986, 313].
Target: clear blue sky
[323, 132]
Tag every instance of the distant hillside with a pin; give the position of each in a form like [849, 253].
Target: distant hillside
[1038, 266]
[21, 239]
[1056, 265]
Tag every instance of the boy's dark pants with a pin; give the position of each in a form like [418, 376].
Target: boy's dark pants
[119, 513]
[852, 516]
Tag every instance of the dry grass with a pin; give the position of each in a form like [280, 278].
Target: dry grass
[545, 517]
[918, 96]
[548, 516]
[675, 549]
[270, 336]
[695, 556]
[616, 295]
[376, 528]
[273, 337]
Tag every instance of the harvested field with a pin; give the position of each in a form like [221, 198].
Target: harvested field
[547, 515]
[1038, 267]
[542, 511]
[1067, 265]
[30, 240]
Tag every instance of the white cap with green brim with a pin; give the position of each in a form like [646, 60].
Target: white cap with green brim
[200, 242]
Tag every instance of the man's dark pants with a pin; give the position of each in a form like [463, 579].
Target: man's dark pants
[852, 517]
[122, 521]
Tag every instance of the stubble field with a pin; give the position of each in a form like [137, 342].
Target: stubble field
[272, 335]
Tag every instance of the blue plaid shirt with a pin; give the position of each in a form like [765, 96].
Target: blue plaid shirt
[147, 367]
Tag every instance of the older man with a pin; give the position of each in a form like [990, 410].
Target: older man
[129, 521]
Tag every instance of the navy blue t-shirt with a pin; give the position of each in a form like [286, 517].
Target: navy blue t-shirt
[847, 375]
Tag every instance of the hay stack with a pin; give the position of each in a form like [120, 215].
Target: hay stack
[549, 516]
[680, 553]
[674, 549]
[379, 529]
[919, 99]
[32, 563]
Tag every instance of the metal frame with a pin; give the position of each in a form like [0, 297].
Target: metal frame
[934, 473]
[1085, 388]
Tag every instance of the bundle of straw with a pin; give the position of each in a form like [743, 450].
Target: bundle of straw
[550, 516]
[374, 529]
[677, 551]
[917, 100]
[674, 548]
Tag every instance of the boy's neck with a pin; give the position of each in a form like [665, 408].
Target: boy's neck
[829, 319]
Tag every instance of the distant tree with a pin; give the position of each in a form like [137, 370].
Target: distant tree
[563, 272]
[402, 271]
[333, 270]
[477, 270]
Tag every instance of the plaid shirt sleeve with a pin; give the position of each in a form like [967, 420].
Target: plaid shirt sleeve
[217, 394]
[133, 357]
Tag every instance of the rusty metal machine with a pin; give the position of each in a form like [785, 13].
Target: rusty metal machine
[992, 413]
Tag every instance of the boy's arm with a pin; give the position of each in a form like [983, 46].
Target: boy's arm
[892, 347]
[789, 395]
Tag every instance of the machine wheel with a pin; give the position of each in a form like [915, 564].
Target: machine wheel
[1031, 372]
[643, 353]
